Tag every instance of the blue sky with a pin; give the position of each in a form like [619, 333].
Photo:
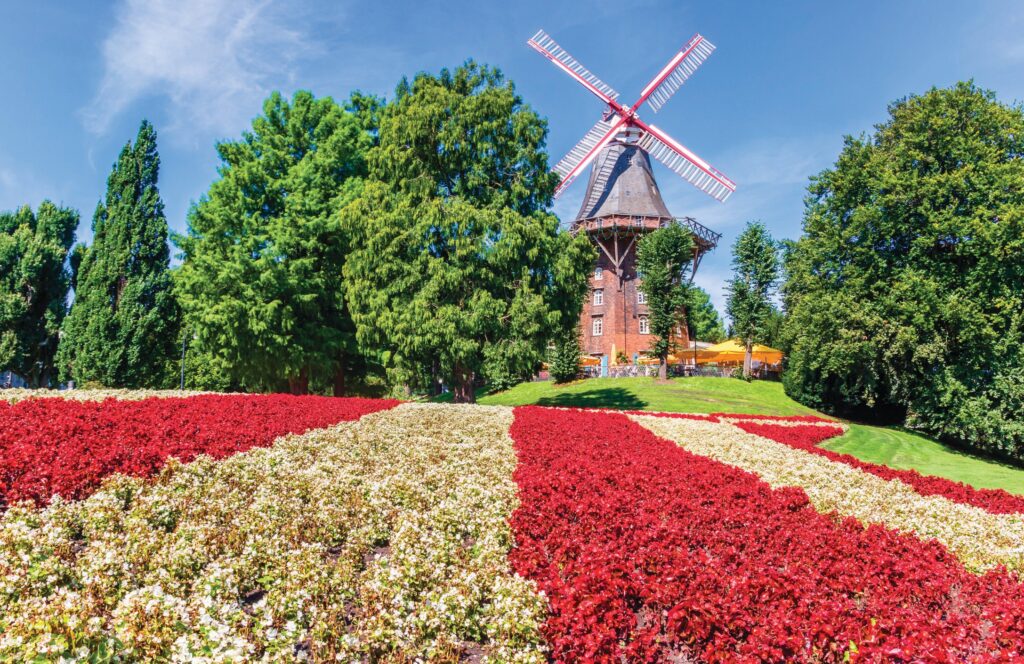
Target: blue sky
[769, 108]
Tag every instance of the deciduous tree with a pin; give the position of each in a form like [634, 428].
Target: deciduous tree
[34, 280]
[123, 326]
[663, 260]
[703, 318]
[756, 266]
[905, 294]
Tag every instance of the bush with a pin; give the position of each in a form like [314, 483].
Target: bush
[564, 363]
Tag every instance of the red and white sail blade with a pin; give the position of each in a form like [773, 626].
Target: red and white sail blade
[679, 68]
[584, 152]
[546, 46]
[685, 163]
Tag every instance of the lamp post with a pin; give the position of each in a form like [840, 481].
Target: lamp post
[184, 336]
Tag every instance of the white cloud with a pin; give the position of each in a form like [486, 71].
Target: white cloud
[214, 60]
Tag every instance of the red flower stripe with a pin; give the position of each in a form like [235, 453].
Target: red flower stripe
[995, 501]
[61, 446]
[649, 553]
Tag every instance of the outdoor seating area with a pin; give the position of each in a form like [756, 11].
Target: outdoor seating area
[722, 359]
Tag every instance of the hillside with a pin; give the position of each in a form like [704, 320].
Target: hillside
[892, 447]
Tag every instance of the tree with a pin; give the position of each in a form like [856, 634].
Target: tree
[564, 364]
[703, 318]
[755, 264]
[261, 279]
[457, 271]
[123, 326]
[663, 258]
[905, 294]
[34, 281]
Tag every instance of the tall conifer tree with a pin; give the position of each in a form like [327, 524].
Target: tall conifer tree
[123, 327]
[261, 279]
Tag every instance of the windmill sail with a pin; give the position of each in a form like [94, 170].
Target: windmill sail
[584, 152]
[671, 78]
[549, 48]
[686, 164]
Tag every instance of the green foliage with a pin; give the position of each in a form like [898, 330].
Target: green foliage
[123, 326]
[34, 282]
[261, 278]
[663, 258]
[564, 361]
[773, 325]
[906, 293]
[703, 318]
[756, 266]
[457, 271]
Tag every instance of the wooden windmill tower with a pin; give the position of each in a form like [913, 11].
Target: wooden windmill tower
[622, 200]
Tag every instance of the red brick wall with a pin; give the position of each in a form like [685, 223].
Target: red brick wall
[620, 311]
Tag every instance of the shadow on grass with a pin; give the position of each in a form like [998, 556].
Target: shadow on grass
[615, 398]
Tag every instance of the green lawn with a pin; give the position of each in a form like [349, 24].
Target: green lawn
[890, 446]
[680, 395]
[904, 449]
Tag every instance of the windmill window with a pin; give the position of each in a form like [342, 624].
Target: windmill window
[598, 273]
[641, 297]
[598, 296]
[598, 327]
[645, 326]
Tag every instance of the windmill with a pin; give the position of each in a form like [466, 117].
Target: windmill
[622, 200]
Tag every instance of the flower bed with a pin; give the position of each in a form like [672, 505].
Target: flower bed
[20, 394]
[809, 437]
[980, 539]
[384, 539]
[65, 447]
[649, 553]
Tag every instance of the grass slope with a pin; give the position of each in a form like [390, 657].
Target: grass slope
[898, 448]
[889, 446]
[679, 395]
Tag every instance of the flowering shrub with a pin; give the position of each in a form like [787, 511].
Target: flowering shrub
[980, 539]
[65, 447]
[807, 438]
[649, 553]
[384, 539]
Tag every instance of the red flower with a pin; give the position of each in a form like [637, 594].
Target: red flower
[649, 553]
[809, 437]
[62, 446]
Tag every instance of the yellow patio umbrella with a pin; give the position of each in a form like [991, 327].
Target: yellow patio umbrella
[734, 351]
[673, 358]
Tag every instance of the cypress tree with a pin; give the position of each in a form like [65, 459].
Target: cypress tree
[123, 326]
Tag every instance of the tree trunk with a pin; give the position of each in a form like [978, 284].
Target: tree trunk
[747, 357]
[663, 367]
[299, 384]
[462, 387]
[339, 378]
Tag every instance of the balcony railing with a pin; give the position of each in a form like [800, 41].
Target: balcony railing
[706, 238]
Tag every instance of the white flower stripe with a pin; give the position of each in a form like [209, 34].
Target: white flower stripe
[14, 395]
[384, 538]
[981, 540]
